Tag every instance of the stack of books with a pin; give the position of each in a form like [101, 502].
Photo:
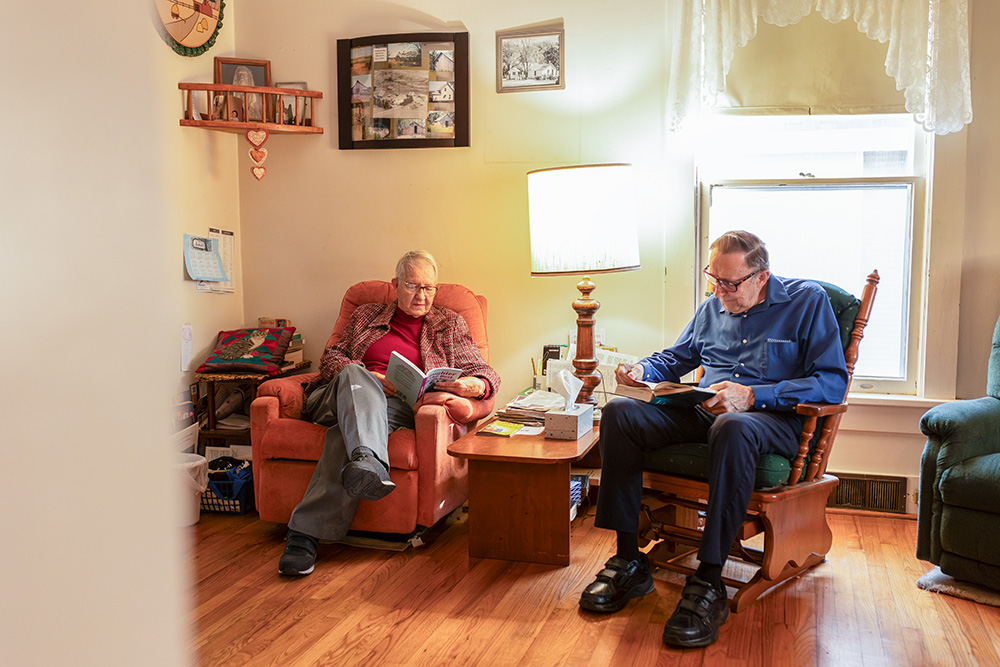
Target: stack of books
[294, 354]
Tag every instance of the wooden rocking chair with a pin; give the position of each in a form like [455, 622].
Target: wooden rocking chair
[788, 505]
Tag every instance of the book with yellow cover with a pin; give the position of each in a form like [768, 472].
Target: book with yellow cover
[501, 428]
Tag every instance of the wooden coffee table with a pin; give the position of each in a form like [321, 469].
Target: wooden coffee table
[519, 494]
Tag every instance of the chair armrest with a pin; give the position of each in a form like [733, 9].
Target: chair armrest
[820, 409]
[441, 418]
[459, 410]
[288, 391]
[962, 430]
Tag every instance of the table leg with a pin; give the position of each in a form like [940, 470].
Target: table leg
[211, 405]
[519, 511]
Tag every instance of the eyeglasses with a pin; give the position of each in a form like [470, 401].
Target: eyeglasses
[725, 285]
[429, 290]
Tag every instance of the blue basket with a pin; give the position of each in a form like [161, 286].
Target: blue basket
[232, 497]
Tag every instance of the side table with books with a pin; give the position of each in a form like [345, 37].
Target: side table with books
[211, 435]
[519, 493]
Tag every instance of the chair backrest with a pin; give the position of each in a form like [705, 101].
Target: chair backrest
[993, 370]
[462, 300]
[847, 308]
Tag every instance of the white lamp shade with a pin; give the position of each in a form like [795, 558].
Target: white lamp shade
[581, 219]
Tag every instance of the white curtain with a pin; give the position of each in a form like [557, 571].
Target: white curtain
[928, 49]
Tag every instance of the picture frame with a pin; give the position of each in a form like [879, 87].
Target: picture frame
[226, 70]
[530, 59]
[242, 72]
[287, 114]
[405, 90]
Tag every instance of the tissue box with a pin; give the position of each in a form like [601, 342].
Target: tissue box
[569, 424]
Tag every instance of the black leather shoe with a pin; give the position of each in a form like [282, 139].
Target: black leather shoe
[364, 476]
[695, 622]
[300, 555]
[619, 581]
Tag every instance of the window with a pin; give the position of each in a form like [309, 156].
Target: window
[833, 197]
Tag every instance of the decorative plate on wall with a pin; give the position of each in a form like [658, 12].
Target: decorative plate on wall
[191, 25]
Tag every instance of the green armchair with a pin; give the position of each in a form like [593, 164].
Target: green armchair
[958, 519]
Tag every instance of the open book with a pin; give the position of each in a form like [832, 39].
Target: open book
[411, 382]
[662, 393]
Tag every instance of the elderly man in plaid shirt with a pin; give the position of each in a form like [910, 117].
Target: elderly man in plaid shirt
[353, 398]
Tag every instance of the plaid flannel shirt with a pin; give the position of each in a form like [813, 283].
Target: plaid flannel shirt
[444, 341]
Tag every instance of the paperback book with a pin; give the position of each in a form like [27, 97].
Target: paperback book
[410, 382]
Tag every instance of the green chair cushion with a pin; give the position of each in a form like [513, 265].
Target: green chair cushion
[690, 459]
[973, 484]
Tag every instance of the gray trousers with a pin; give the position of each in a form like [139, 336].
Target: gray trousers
[356, 413]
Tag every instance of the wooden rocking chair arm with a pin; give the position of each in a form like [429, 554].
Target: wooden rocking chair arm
[820, 409]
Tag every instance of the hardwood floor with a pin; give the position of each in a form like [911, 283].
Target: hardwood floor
[433, 605]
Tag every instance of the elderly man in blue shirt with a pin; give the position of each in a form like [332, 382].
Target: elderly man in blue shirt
[766, 344]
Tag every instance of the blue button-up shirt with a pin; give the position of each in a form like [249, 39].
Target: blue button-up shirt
[787, 347]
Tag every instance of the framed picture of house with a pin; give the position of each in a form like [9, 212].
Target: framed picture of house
[530, 60]
[406, 90]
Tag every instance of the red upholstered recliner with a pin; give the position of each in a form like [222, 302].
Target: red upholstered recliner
[429, 483]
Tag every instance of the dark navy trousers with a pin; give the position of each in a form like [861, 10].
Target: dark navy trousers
[735, 442]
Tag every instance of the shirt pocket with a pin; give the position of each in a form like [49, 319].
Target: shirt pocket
[782, 359]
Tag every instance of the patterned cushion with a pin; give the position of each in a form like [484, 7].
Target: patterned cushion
[249, 351]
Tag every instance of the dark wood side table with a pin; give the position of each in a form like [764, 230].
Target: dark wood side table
[519, 494]
[212, 435]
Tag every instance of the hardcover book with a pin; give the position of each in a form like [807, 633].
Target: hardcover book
[665, 393]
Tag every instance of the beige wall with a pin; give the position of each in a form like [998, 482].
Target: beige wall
[323, 218]
[97, 186]
[314, 220]
[980, 295]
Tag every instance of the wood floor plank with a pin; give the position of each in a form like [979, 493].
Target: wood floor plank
[433, 605]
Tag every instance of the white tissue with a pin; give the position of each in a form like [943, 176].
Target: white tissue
[569, 387]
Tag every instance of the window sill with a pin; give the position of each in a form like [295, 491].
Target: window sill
[894, 400]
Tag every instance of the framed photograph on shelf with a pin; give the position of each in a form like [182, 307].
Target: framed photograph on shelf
[243, 72]
[407, 90]
[242, 107]
[294, 108]
[530, 60]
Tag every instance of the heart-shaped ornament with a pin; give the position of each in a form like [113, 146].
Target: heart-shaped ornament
[256, 137]
[258, 172]
[258, 155]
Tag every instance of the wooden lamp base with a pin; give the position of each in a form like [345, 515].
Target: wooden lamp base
[585, 362]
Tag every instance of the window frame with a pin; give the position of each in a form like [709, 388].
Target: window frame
[917, 303]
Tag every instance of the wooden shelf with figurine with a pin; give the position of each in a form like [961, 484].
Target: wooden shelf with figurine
[254, 111]
[233, 108]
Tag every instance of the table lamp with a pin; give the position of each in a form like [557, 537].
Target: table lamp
[581, 222]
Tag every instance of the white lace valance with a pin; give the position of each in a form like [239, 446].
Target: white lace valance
[928, 49]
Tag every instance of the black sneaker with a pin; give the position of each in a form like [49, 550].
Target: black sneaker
[300, 555]
[364, 476]
[700, 612]
[619, 581]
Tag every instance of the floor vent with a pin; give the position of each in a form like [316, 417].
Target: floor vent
[869, 492]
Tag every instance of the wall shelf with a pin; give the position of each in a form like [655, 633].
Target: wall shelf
[227, 108]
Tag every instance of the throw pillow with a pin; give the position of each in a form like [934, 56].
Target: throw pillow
[258, 350]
